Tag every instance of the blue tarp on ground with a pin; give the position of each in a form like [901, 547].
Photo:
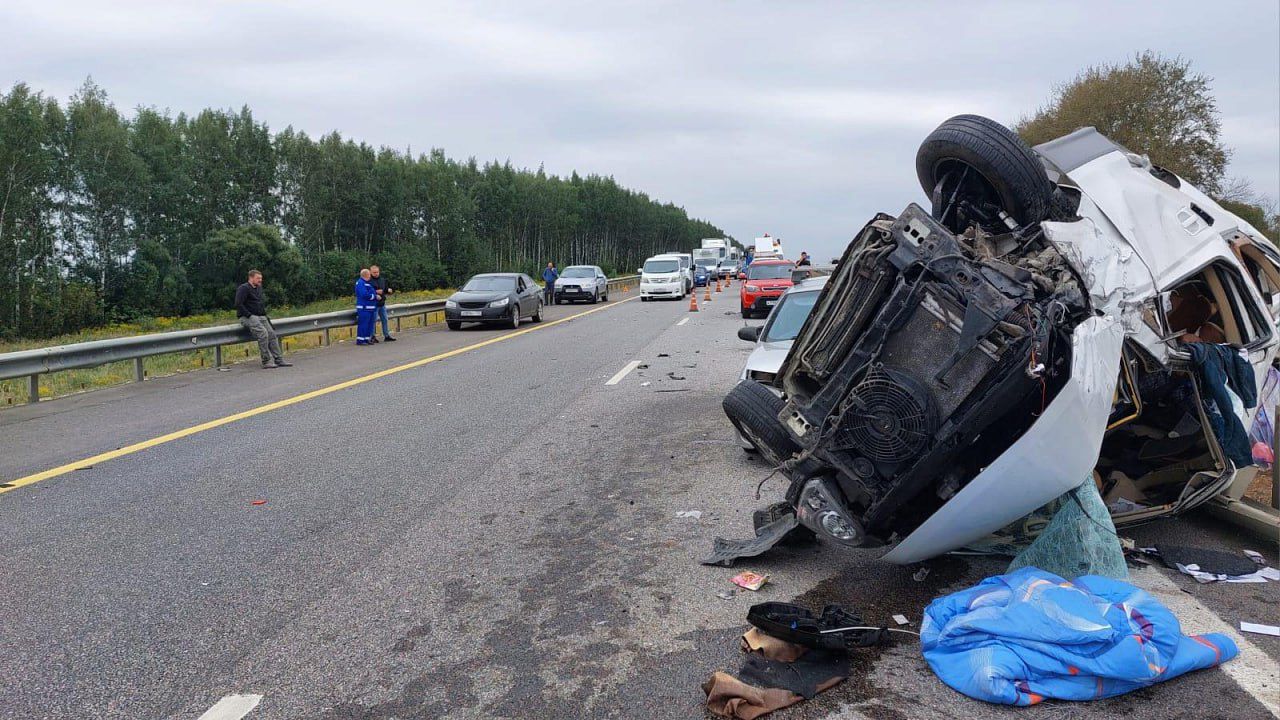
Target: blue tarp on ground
[1020, 638]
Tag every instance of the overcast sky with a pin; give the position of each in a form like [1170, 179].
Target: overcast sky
[800, 118]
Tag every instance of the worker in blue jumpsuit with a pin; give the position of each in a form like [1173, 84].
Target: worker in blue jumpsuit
[366, 308]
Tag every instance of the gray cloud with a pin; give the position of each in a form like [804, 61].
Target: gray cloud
[799, 119]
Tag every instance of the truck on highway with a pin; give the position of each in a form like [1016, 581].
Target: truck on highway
[721, 250]
[768, 247]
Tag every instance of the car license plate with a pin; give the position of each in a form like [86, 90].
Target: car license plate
[771, 302]
[470, 313]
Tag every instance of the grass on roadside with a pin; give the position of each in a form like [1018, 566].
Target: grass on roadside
[14, 391]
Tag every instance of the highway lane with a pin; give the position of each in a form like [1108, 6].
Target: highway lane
[512, 551]
[80, 426]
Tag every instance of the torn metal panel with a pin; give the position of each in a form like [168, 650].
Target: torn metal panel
[1060, 448]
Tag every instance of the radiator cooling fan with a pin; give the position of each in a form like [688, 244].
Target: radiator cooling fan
[888, 418]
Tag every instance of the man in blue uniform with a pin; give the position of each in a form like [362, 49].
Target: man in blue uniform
[366, 308]
[549, 277]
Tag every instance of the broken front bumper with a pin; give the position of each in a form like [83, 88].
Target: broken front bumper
[1056, 454]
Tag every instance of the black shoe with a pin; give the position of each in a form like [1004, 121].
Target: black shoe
[281, 363]
[388, 338]
[268, 367]
[374, 340]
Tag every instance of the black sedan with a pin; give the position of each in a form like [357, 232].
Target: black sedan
[495, 299]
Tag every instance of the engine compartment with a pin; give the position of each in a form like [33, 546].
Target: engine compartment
[927, 354]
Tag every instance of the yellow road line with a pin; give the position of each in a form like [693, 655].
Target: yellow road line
[187, 432]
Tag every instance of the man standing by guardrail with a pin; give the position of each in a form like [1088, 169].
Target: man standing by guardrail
[379, 282]
[251, 309]
[549, 277]
[366, 308]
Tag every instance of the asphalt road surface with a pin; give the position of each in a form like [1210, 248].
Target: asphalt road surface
[483, 532]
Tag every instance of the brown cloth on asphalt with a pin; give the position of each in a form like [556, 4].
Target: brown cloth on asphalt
[727, 696]
[771, 647]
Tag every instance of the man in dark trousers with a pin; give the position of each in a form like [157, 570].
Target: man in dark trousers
[251, 309]
[366, 308]
[549, 277]
[379, 282]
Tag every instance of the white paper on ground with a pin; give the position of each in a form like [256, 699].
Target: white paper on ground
[1260, 629]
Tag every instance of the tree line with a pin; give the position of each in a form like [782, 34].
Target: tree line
[105, 217]
[1160, 107]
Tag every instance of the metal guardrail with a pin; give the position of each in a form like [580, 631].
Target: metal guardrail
[31, 364]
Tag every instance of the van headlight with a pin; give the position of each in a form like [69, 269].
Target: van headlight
[450, 305]
[500, 303]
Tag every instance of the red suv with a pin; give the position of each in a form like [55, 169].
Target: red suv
[765, 283]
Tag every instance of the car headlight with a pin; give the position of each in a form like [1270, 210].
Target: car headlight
[451, 305]
[500, 303]
[753, 288]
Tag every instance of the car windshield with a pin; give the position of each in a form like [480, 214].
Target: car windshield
[487, 283]
[578, 272]
[790, 315]
[769, 272]
[661, 266]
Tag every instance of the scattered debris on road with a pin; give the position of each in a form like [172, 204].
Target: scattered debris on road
[749, 580]
[695, 514]
[792, 655]
[259, 502]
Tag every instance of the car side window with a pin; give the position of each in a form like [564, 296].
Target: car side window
[520, 286]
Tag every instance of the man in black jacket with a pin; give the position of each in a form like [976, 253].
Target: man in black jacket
[251, 309]
[379, 282]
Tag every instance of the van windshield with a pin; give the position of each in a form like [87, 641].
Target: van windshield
[661, 266]
[706, 262]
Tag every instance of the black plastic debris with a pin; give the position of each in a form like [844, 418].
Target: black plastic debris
[803, 676]
[726, 552]
[835, 629]
[1214, 562]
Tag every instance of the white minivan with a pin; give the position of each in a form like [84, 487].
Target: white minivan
[662, 277]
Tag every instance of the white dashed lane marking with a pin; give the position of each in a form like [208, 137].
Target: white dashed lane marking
[232, 707]
[623, 372]
[682, 322]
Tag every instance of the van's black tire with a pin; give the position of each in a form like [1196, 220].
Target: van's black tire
[997, 153]
[753, 410]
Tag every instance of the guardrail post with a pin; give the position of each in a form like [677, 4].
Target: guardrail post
[217, 356]
[33, 389]
[397, 325]
[326, 337]
[139, 373]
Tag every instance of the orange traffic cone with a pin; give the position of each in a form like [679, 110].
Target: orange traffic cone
[707, 297]
[718, 285]
[693, 302]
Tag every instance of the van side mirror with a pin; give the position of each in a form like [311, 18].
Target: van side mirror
[750, 333]
[639, 271]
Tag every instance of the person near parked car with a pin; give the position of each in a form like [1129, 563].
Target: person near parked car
[379, 282]
[251, 309]
[366, 307]
[804, 259]
[549, 277]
